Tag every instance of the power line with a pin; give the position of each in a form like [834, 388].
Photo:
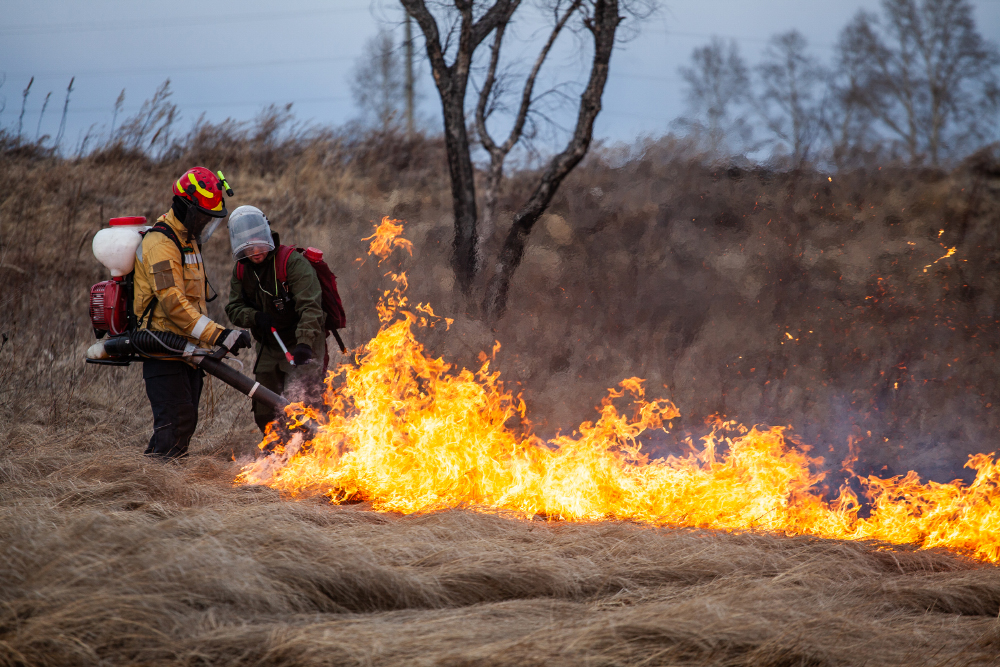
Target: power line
[214, 105]
[738, 38]
[645, 77]
[187, 68]
[117, 26]
[268, 63]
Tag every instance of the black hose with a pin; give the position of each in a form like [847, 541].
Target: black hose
[143, 342]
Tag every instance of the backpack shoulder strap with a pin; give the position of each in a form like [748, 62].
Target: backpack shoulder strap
[169, 233]
[148, 313]
[165, 229]
[281, 262]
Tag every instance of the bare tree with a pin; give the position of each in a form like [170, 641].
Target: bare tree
[379, 82]
[452, 82]
[718, 86]
[788, 104]
[467, 24]
[926, 74]
[488, 102]
[845, 121]
[409, 84]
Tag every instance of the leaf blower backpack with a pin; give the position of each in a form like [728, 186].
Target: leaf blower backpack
[111, 300]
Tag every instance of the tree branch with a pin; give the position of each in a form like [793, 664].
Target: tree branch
[432, 38]
[529, 85]
[602, 25]
[484, 94]
[498, 152]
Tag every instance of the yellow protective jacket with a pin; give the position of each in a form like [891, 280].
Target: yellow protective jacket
[177, 282]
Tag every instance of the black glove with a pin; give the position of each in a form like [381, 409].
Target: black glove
[263, 321]
[234, 340]
[302, 354]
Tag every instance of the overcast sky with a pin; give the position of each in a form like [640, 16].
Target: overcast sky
[229, 59]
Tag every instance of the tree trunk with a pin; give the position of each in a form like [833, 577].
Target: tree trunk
[409, 76]
[602, 25]
[452, 82]
[491, 198]
[463, 192]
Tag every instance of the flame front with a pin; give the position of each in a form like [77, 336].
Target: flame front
[410, 433]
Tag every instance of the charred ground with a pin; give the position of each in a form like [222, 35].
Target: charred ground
[779, 298]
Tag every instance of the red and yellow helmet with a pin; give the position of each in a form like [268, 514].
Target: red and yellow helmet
[203, 190]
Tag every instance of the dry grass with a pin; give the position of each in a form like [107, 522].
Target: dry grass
[108, 558]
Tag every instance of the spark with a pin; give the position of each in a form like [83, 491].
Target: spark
[951, 251]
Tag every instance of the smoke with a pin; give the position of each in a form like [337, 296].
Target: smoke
[828, 303]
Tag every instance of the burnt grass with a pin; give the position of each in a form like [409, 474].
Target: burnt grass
[815, 300]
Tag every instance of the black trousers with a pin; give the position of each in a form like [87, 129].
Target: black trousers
[174, 391]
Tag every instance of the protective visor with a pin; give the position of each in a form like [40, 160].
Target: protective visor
[210, 229]
[249, 232]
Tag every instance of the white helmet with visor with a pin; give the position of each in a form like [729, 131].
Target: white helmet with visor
[249, 233]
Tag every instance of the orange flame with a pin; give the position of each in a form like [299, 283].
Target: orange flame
[410, 433]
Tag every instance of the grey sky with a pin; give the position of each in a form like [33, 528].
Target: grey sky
[230, 59]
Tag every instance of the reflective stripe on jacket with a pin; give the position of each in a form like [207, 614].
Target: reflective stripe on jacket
[177, 282]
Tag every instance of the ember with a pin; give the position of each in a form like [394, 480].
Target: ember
[410, 433]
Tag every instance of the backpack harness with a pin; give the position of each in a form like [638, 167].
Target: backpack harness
[164, 229]
[333, 308]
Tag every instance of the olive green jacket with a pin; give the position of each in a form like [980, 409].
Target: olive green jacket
[300, 320]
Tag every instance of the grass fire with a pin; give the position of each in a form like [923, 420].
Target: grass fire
[409, 434]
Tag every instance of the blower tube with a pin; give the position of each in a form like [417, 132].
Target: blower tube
[242, 383]
[144, 344]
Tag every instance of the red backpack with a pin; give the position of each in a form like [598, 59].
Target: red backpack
[336, 318]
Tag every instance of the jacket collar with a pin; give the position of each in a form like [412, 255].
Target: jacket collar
[182, 232]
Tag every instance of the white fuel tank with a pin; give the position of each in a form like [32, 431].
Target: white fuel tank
[115, 246]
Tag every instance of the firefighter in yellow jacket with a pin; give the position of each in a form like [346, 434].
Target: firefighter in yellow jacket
[171, 294]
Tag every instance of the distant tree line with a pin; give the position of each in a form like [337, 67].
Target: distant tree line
[915, 82]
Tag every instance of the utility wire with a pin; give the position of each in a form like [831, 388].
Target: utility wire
[214, 105]
[268, 63]
[168, 70]
[738, 38]
[117, 26]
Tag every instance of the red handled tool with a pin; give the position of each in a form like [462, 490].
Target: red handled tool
[288, 355]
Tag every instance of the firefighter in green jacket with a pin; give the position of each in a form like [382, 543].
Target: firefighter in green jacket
[257, 301]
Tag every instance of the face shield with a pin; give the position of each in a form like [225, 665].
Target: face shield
[212, 226]
[249, 232]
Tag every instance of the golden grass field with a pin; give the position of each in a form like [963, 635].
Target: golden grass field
[109, 558]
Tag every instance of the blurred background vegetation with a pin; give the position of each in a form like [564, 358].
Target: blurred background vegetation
[857, 305]
[814, 245]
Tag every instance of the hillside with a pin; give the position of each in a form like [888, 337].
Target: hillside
[858, 308]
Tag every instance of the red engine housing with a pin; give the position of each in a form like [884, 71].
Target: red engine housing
[108, 310]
